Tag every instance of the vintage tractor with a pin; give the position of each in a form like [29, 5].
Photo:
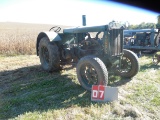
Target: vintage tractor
[96, 51]
[142, 40]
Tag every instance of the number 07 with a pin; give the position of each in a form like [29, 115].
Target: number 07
[98, 92]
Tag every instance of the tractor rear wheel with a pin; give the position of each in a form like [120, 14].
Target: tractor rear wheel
[49, 55]
[129, 64]
[91, 71]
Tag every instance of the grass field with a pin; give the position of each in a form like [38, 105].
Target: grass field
[29, 93]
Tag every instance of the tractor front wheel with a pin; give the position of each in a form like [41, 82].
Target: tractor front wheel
[129, 64]
[91, 71]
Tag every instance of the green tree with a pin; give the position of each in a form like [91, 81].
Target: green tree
[158, 22]
[143, 25]
[158, 19]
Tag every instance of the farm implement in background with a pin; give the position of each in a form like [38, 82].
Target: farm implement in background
[143, 41]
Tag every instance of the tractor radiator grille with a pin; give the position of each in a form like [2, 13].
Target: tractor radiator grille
[116, 41]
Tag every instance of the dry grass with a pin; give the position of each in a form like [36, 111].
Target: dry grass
[20, 38]
[27, 92]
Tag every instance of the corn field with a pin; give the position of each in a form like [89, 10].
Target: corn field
[20, 38]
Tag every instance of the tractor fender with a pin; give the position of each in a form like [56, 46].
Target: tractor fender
[51, 35]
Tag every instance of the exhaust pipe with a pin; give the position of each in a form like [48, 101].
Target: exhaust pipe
[84, 20]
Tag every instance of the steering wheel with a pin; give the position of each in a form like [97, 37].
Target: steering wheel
[55, 29]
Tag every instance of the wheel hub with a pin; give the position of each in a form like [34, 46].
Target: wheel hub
[89, 74]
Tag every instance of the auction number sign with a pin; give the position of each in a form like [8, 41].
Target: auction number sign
[98, 92]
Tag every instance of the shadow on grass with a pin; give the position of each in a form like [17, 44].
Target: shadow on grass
[115, 81]
[31, 89]
[149, 66]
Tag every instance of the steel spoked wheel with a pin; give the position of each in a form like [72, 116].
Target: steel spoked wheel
[91, 71]
[156, 59]
[129, 64]
[126, 64]
[89, 74]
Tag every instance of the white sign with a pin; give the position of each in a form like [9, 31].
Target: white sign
[104, 93]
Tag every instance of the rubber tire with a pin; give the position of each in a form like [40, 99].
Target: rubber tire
[98, 65]
[134, 62]
[54, 58]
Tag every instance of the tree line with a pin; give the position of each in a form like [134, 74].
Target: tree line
[144, 25]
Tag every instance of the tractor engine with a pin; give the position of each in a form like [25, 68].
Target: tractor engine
[91, 45]
[87, 46]
[143, 39]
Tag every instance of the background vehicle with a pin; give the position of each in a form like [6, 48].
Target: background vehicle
[142, 40]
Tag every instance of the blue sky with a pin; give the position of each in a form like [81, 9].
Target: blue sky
[69, 12]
